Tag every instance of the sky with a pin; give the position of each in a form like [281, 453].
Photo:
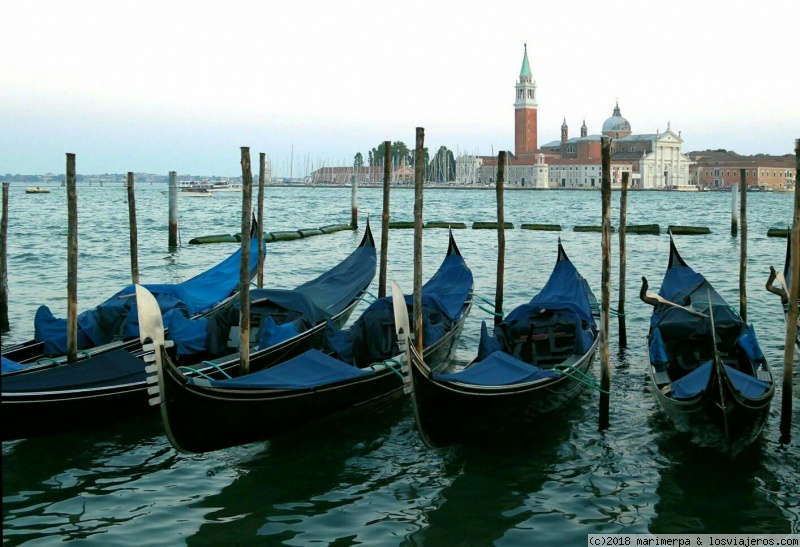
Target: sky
[173, 85]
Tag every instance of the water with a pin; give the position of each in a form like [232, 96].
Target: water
[370, 479]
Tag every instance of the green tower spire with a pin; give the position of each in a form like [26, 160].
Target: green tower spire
[525, 71]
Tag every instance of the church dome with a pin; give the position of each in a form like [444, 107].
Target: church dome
[616, 123]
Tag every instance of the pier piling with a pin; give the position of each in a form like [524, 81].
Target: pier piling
[743, 247]
[4, 324]
[623, 206]
[501, 238]
[354, 199]
[133, 231]
[173, 210]
[791, 314]
[72, 261]
[387, 180]
[262, 174]
[605, 287]
[419, 179]
[734, 212]
[244, 270]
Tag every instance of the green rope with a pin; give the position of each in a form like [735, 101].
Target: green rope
[201, 373]
[44, 360]
[581, 378]
[479, 297]
[372, 295]
[596, 308]
[490, 312]
[396, 362]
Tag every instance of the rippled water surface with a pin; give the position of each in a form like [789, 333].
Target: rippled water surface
[370, 479]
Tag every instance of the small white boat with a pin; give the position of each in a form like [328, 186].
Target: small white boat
[190, 193]
[37, 190]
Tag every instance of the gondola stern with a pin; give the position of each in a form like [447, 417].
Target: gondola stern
[562, 254]
[675, 258]
[452, 247]
[368, 240]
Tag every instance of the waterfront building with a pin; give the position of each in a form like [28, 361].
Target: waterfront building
[719, 169]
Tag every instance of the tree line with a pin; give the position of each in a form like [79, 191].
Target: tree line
[439, 168]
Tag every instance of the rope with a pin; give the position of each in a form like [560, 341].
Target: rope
[203, 374]
[612, 310]
[43, 360]
[386, 363]
[581, 378]
[490, 312]
[479, 297]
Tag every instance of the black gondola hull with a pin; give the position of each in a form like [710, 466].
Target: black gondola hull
[202, 419]
[450, 413]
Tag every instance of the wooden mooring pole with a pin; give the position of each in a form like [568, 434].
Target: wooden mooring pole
[734, 211]
[354, 199]
[4, 324]
[623, 219]
[387, 179]
[262, 175]
[501, 238]
[419, 174]
[173, 209]
[791, 317]
[605, 286]
[743, 247]
[133, 231]
[244, 269]
[72, 261]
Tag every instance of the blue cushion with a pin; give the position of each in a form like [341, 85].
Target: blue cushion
[499, 369]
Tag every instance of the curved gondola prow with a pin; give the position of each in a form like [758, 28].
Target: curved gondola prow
[562, 254]
[675, 258]
[151, 327]
[367, 240]
[411, 358]
[452, 247]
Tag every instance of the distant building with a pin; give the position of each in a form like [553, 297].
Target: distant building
[653, 160]
[721, 168]
[361, 175]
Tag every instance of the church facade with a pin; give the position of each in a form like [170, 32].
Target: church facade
[653, 161]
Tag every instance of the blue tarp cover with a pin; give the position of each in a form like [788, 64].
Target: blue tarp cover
[10, 366]
[354, 273]
[499, 369]
[749, 343]
[116, 367]
[118, 317]
[658, 353]
[693, 383]
[310, 369]
[696, 382]
[372, 337]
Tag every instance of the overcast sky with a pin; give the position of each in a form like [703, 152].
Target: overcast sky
[154, 86]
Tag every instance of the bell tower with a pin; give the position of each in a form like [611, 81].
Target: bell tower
[525, 123]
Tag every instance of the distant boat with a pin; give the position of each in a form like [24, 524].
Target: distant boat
[37, 190]
[191, 193]
[225, 187]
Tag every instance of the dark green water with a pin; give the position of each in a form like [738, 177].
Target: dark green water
[370, 479]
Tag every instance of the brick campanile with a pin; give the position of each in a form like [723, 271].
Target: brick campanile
[525, 123]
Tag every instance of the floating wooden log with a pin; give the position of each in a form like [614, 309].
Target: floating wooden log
[401, 224]
[308, 232]
[778, 232]
[453, 225]
[688, 230]
[591, 229]
[285, 235]
[542, 227]
[217, 238]
[648, 229]
[491, 225]
[331, 228]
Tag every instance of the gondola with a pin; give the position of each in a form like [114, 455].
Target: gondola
[783, 290]
[355, 370]
[112, 325]
[112, 385]
[706, 368]
[535, 363]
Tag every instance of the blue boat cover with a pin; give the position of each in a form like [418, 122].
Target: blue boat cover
[118, 317]
[499, 369]
[749, 343]
[113, 368]
[372, 337]
[272, 333]
[692, 384]
[10, 366]
[336, 288]
[696, 382]
[658, 353]
[308, 370]
[487, 344]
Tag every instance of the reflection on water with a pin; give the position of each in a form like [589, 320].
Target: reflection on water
[370, 479]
